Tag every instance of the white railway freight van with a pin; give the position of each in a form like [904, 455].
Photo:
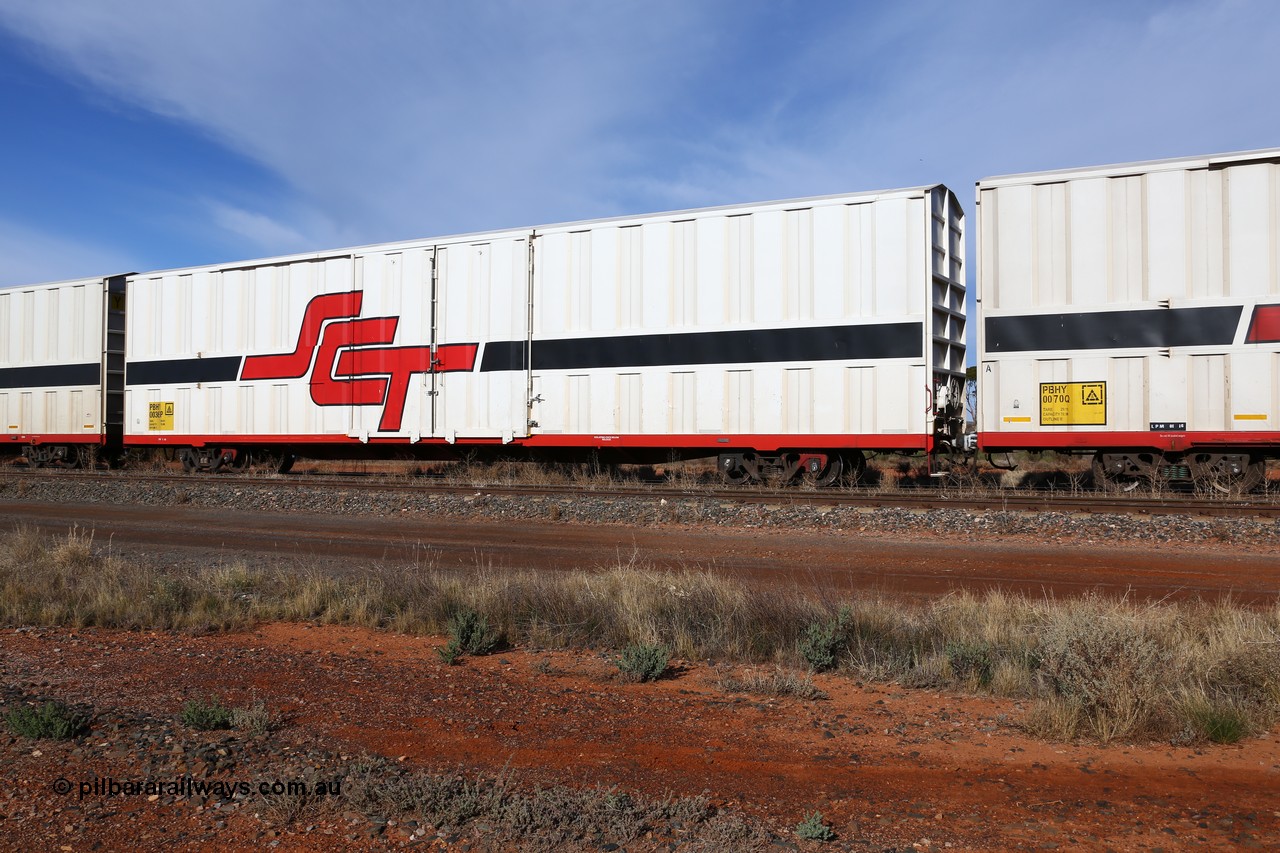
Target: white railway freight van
[784, 337]
[62, 369]
[1134, 311]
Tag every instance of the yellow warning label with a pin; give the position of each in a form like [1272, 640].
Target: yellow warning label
[1073, 403]
[160, 416]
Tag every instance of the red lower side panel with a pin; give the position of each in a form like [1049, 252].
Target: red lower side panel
[54, 438]
[711, 442]
[1011, 441]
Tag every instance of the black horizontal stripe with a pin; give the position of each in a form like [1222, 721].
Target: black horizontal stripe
[746, 346]
[504, 355]
[183, 371]
[1155, 327]
[49, 375]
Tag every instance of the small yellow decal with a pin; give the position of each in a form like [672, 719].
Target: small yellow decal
[1017, 420]
[160, 416]
[1250, 417]
[1073, 403]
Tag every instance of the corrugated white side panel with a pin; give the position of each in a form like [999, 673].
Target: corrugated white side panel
[483, 289]
[227, 314]
[1196, 234]
[51, 340]
[825, 262]
[874, 259]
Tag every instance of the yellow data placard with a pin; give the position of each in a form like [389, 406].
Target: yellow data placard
[160, 416]
[1073, 403]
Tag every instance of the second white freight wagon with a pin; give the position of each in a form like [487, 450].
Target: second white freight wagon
[62, 370]
[783, 337]
[1133, 311]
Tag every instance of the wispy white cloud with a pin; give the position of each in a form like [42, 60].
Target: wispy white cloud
[258, 229]
[913, 93]
[406, 119]
[28, 255]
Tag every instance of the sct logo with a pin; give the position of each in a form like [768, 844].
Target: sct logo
[344, 357]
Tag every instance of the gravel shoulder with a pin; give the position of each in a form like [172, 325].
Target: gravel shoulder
[889, 768]
[890, 550]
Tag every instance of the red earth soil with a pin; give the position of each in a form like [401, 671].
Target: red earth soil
[886, 766]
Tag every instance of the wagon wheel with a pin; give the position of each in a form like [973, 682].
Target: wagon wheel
[70, 458]
[1226, 473]
[187, 457]
[37, 457]
[230, 459]
[739, 473]
[1124, 472]
[827, 476]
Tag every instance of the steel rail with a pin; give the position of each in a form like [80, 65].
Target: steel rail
[915, 498]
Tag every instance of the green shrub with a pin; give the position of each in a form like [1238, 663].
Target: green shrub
[472, 632]
[644, 662]
[822, 642]
[51, 720]
[1217, 719]
[206, 714]
[450, 652]
[813, 829]
[971, 661]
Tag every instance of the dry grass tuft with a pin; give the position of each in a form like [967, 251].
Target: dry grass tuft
[1093, 667]
[780, 682]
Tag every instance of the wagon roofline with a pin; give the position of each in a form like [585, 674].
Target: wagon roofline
[66, 282]
[499, 233]
[1202, 161]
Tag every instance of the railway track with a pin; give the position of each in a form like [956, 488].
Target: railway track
[1264, 506]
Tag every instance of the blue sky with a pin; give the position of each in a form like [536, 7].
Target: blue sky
[145, 135]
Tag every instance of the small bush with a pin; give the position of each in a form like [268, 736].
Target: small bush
[207, 714]
[822, 642]
[450, 652]
[1111, 668]
[971, 662]
[644, 662]
[1248, 672]
[813, 829]
[1217, 719]
[52, 720]
[469, 633]
[472, 633]
[255, 719]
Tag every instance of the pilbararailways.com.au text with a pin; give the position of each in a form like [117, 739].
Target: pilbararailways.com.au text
[187, 786]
